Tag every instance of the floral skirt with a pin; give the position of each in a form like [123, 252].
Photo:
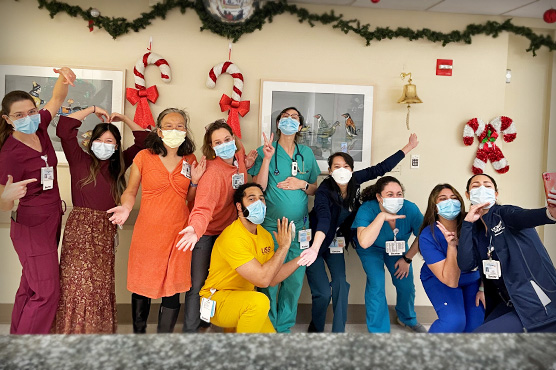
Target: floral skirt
[88, 296]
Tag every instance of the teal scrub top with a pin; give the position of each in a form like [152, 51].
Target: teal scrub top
[280, 203]
[406, 226]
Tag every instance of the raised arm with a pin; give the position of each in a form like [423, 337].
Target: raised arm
[264, 275]
[60, 91]
[261, 178]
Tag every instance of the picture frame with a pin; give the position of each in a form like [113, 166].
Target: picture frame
[100, 87]
[345, 122]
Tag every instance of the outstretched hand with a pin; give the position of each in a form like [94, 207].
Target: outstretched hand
[67, 73]
[307, 257]
[119, 216]
[284, 235]
[188, 240]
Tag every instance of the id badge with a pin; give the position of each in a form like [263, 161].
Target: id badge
[207, 309]
[47, 177]
[237, 180]
[395, 248]
[491, 269]
[186, 169]
[338, 245]
[294, 168]
[304, 238]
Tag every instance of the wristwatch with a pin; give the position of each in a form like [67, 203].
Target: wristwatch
[306, 186]
[406, 259]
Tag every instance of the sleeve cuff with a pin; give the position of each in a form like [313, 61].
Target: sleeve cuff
[549, 215]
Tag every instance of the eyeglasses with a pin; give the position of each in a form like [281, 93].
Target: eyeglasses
[20, 115]
[294, 116]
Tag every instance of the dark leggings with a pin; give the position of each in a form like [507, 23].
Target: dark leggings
[172, 302]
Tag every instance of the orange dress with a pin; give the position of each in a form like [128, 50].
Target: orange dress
[156, 268]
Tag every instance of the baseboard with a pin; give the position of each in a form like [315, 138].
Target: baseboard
[355, 315]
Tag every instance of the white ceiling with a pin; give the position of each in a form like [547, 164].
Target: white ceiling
[511, 8]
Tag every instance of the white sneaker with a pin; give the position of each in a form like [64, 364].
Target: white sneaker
[417, 328]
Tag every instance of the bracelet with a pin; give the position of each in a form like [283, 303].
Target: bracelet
[306, 186]
[481, 289]
[193, 185]
[406, 259]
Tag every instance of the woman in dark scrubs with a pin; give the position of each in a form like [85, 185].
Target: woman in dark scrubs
[28, 174]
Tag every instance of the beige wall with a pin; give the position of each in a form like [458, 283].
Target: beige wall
[287, 50]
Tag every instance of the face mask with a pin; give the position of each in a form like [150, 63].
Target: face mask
[173, 138]
[482, 195]
[392, 205]
[288, 126]
[255, 212]
[28, 124]
[226, 150]
[449, 208]
[103, 151]
[341, 175]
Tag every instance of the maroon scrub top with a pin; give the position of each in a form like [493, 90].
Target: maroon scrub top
[94, 196]
[23, 162]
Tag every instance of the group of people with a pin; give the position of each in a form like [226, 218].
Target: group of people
[239, 250]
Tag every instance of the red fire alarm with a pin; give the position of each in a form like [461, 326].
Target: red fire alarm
[444, 67]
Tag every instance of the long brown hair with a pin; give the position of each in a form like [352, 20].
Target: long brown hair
[14, 96]
[431, 214]
[207, 150]
[116, 165]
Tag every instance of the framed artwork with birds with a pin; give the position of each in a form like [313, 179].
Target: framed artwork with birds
[103, 88]
[336, 118]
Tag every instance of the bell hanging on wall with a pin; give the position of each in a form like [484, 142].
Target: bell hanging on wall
[232, 11]
[409, 95]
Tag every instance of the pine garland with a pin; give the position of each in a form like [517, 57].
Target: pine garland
[120, 26]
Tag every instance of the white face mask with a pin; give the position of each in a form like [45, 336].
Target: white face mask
[392, 205]
[102, 150]
[341, 175]
[482, 195]
[173, 138]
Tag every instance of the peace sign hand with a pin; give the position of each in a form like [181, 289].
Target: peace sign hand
[15, 190]
[450, 236]
[268, 149]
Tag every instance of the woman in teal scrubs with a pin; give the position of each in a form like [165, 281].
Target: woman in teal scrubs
[288, 172]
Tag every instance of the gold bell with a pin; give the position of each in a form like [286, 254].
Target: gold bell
[409, 95]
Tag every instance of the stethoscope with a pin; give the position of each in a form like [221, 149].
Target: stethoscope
[294, 159]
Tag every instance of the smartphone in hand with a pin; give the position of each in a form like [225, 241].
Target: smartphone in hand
[549, 179]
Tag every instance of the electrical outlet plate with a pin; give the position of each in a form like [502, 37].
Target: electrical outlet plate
[415, 161]
[397, 169]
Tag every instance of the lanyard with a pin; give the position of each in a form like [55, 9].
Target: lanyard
[490, 249]
[294, 159]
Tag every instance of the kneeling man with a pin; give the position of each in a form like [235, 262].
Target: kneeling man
[243, 258]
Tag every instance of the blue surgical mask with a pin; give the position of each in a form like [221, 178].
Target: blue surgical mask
[449, 208]
[103, 151]
[482, 195]
[28, 124]
[256, 212]
[288, 126]
[226, 150]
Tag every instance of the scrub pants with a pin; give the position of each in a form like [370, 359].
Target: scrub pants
[200, 262]
[455, 307]
[284, 296]
[245, 311]
[373, 260]
[35, 237]
[504, 319]
[321, 291]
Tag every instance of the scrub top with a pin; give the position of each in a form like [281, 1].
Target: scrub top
[406, 226]
[280, 203]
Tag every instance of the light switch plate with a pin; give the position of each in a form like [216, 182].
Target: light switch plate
[415, 161]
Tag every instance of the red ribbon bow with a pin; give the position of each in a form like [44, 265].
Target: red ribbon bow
[235, 109]
[143, 115]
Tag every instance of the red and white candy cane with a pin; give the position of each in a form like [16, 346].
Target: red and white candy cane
[141, 95]
[233, 105]
[487, 133]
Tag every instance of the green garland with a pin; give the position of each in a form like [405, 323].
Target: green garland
[120, 26]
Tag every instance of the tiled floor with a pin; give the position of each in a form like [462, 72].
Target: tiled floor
[300, 328]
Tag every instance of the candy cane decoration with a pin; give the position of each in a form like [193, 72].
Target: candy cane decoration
[141, 95]
[487, 135]
[233, 105]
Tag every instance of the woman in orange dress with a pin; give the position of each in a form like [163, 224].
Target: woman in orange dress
[169, 174]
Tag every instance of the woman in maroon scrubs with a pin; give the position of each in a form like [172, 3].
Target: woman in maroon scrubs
[26, 158]
[88, 294]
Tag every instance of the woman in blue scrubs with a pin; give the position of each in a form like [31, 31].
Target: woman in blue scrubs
[456, 297]
[386, 219]
[288, 172]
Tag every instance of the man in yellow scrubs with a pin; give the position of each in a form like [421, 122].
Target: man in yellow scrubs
[243, 258]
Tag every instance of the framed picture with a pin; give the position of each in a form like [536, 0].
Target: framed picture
[103, 88]
[337, 118]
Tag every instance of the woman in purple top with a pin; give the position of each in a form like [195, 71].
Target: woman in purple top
[28, 174]
[88, 297]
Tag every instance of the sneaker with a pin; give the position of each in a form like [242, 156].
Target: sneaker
[417, 328]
